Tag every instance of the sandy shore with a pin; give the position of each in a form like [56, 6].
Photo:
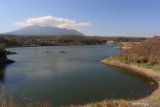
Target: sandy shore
[154, 97]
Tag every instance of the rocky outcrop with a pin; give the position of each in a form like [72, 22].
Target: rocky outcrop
[3, 58]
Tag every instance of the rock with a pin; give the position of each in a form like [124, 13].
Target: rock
[10, 53]
[3, 58]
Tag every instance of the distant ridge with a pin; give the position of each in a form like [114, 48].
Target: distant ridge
[36, 30]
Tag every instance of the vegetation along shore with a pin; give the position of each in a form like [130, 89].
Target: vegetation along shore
[62, 40]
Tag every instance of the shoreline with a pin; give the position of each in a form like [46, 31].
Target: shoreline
[154, 97]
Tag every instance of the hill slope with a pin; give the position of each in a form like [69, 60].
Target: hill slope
[147, 52]
[40, 31]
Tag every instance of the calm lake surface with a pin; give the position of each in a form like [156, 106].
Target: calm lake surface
[45, 74]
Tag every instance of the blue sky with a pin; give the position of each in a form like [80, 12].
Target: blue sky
[97, 17]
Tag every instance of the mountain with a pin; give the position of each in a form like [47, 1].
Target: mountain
[43, 30]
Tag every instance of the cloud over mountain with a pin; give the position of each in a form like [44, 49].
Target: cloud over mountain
[53, 22]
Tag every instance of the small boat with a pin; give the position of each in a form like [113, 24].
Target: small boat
[63, 52]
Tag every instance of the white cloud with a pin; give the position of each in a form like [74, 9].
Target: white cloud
[54, 22]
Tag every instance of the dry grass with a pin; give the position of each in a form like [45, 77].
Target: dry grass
[13, 103]
[5, 103]
[146, 52]
[105, 103]
[109, 103]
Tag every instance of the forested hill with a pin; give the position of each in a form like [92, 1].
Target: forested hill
[19, 41]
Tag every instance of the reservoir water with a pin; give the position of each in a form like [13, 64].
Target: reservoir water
[78, 76]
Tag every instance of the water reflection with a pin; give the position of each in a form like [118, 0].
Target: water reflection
[138, 78]
[2, 75]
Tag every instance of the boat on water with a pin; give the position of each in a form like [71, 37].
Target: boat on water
[63, 51]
